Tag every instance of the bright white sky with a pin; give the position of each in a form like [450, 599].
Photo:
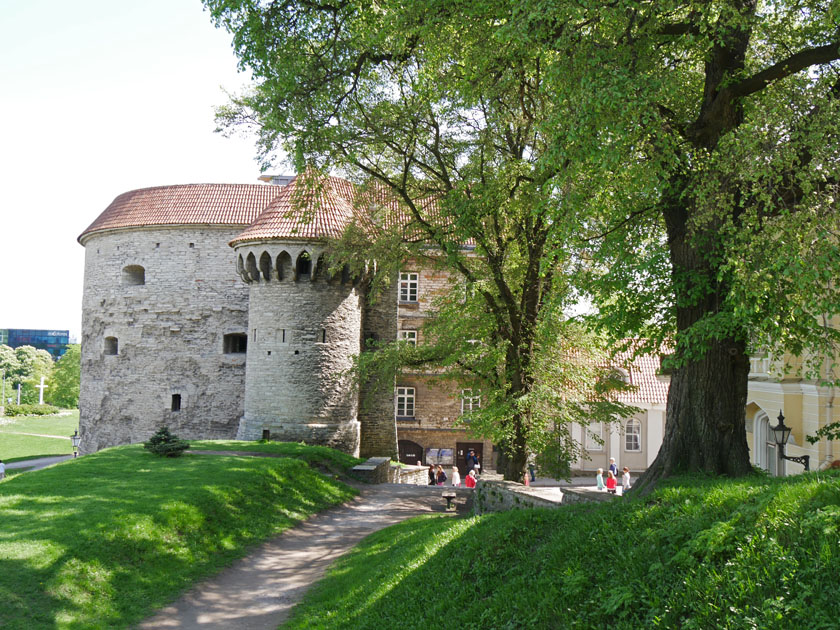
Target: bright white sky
[98, 97]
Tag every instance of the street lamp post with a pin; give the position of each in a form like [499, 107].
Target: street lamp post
[781, 434]
[76, 438]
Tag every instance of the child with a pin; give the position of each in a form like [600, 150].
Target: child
[599, 479]
[625, 480]
[610, 482]
[470, 480]
[441, 476]
[456, 477]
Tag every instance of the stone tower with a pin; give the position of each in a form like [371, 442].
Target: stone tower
[305, 325]
[164, 314]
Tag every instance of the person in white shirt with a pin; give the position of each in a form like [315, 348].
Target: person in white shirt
[625, 480]
[2, 469]
[456, 477]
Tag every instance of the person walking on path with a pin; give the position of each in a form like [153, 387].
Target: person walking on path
[2, 470]
[599, 479]
[432, 476]
[613, 468]
[456, 477]
[470, 479]
[441, 476]
[472, 461]
[625, 480]
[610, 482]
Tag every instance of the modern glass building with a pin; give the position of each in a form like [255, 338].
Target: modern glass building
[53, 341]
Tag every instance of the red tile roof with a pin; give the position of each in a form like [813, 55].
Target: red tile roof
[308, 208]
[642, 371]
[190, 204]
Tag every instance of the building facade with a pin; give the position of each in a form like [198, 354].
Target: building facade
[53, 341]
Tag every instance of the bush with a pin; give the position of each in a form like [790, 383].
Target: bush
[165, 444]
[31, 410]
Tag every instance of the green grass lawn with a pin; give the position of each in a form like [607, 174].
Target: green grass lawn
[15, 445]
[104, 540]
[319, 456]
[697, 554]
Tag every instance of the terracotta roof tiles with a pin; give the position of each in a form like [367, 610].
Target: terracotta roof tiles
[190, 204]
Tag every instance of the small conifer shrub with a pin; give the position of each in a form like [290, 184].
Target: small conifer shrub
[165, 444]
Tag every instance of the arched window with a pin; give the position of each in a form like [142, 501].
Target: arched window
[265, 266]
[766, 455]
[111, 346]
[303, 268]
[633, 435]
[133, 275]
[251, 267]
[284, 266]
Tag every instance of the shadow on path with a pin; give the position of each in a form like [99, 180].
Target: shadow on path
[259, 591]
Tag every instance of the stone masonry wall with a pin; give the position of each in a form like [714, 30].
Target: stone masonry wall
[303, 335]
[169, 334]
[376, 411]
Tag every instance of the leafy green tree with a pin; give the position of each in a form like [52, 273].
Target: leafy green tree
[692, 146]
[64, 385]
[455, 154]
[34, 364]
[9, 367]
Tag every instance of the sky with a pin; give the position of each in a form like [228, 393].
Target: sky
[98, 97]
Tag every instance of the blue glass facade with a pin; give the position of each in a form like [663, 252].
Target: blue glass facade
[53, 341]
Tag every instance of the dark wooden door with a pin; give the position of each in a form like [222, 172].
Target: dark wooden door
[410, 452]
[461, 450]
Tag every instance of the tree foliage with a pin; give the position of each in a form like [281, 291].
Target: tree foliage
[25, 366]
[681, 156]
[64, 385]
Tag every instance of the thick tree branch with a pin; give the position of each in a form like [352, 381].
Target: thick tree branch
[793, 64]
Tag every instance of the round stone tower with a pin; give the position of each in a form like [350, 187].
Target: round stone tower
[164, 315]
[304, 324]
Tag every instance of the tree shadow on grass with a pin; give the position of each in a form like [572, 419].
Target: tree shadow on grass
[109, 538]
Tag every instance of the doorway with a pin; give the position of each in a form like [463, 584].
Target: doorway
[410, 452]
[461, 450]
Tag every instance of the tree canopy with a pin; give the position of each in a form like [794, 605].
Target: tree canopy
[680, 157]
[64, 385]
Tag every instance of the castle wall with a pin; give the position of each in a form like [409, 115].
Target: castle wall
[169, 335]
[303, 335]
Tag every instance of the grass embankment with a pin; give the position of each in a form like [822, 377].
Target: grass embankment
[16, 445]
[321, 457]
[754, 553]
[104, 540]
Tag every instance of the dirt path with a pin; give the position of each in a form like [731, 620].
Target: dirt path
[258, 591]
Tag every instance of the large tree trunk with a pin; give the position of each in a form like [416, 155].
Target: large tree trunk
[704, 429]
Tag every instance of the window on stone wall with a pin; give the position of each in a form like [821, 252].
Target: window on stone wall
[304, 266]
[470, 400]
[633, 435]
[408, 287]
[235, 343]
[409, 336]
[594, 437]
[133, 275]
[176, 402]
[112, 346]
[405, 402]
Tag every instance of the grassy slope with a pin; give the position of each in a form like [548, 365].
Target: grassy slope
[14, 446]
[319, 456]
[755, 553]
[102, 541]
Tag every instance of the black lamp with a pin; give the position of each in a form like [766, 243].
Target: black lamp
[76, 438]
[781, 434]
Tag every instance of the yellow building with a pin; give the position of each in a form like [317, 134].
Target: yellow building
[780, 384]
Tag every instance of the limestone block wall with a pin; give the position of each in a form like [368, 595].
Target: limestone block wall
[144, 345]
[303, 335]
[376, 411]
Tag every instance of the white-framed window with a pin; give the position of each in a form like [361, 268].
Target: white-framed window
[470, 400]
[409, 336]
[633, 435]
[405, 402]
[594, 437]
[408, 287]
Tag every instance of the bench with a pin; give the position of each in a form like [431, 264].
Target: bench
[449, 496]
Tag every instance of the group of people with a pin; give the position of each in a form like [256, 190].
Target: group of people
[437, 476]
[612, 478]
